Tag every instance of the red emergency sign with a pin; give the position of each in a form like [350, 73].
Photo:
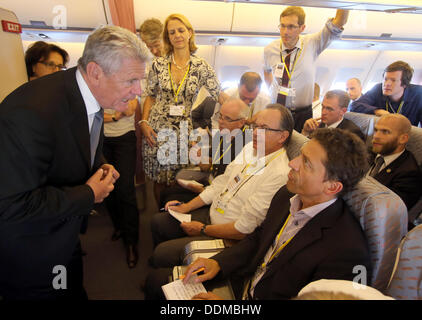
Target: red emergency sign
[9, 26]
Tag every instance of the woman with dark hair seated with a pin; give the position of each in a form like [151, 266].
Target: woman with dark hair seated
[43, 58]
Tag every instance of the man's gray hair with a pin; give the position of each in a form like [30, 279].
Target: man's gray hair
[109, 45]
[342, 97]
[286, 119]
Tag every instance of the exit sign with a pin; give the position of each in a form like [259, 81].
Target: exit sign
[9, 26]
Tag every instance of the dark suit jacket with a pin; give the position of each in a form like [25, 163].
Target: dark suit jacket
[404, 177]
[44, 165]
[201, 116]
[349, 125]
[327, 247]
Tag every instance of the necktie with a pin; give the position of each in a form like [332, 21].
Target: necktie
[95, 133]
[281, 98]
[378, 163]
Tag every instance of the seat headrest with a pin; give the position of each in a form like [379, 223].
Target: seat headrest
[295, 144]
[383, 217]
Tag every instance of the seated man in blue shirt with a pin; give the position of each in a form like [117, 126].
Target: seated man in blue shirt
[394, 95]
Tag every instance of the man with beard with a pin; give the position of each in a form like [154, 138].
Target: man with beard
[394, 166]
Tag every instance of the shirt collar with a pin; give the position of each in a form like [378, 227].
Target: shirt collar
[335, 124]
[390, 158]
[296, 204]
[91, 104]
[298, 44]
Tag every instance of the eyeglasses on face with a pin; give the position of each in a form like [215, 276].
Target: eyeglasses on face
[52, 65]
[289, 27]
[225, 118]
[254, 126]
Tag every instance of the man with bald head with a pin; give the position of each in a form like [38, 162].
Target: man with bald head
[249, 91]
[354, 88]
[394, 166]
[225, 144]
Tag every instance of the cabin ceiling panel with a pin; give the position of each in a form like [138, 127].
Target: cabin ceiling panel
[78, 13]
[203, 15]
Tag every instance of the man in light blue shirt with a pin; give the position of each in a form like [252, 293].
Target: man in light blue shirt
[289, 63]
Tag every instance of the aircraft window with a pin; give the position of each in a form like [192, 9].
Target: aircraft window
[376, 78]
[417, 77]
[343, 75]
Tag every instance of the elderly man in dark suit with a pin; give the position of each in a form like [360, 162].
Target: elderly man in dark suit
[305, 237]
[394, 166]
[52, 169]
[334, 106]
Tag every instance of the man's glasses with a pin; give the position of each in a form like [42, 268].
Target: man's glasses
[225, 118]
[254, 126]
[52, 65]
[289, 27]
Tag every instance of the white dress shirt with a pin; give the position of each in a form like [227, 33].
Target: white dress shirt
[91, 104]
[247, 205]
[309, 47]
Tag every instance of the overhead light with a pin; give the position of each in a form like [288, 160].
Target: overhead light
[44, 36]
[37, 23]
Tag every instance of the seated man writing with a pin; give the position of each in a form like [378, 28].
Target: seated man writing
[239, 198]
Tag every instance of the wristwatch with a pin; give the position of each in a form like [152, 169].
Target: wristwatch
[114, 118]
[203, 230]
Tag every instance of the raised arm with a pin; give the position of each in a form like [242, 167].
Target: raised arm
[341, 18]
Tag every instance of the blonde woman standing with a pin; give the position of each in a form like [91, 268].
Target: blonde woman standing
[173, 84]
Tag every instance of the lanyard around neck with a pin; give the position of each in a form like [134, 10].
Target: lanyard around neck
[215, 160]
[264, 264]
[249, 176]
[176, 92]
[388, 105]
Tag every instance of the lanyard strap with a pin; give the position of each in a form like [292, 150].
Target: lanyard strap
[388, 105]
[251, 175]
[294, 64]
[219, 148]
[176, 92]
[264, 264]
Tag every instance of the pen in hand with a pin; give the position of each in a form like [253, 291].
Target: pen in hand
[194, 272]
[176, 204]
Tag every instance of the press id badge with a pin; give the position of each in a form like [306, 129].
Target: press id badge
[220, 206]
[290, 92]
[177, 110]
[279, 70]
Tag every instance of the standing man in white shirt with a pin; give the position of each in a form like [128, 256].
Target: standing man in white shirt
[289, 68]
[239, 198]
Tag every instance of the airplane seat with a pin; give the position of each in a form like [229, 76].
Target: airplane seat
[415, 147]
[406, 281]
[364, 121]
[296, 142]
[383, 217]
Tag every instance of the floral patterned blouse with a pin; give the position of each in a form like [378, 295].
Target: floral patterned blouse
[162, 161]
